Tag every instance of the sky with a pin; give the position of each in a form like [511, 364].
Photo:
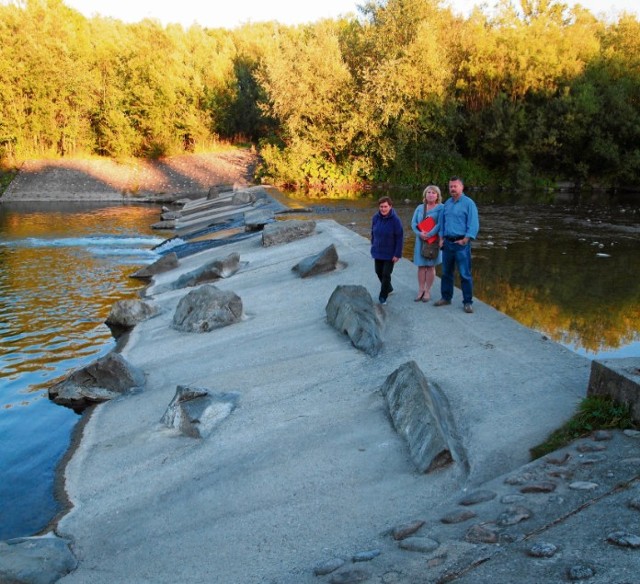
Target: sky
[232, 13]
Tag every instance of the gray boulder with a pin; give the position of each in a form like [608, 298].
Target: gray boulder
[125, 314]
[170, 224]
[256, 219]
[164, 264]
[248, 196]
[171, 215]
[351, 311]
[104, 379]
[207, 308]
[286, 231]
[325, 261]
[244, 197]
[216, 190]
[210, 272]
[420, 414]
[196, 412]
[35, 560]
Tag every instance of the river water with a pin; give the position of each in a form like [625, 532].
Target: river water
[565, 266]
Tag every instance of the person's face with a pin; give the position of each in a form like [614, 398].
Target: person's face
[431, 196]
[455, 188]
[384, 208]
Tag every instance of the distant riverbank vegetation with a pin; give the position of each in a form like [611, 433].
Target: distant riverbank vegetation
[404, 92]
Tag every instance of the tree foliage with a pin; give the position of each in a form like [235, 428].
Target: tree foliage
[527, 93]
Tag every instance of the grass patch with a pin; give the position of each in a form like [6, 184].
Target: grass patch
[6, 176]
[594, 413]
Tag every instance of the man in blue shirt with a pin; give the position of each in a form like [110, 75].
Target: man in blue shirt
[459, 224]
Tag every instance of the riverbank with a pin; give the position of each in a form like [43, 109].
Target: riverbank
[105, 179]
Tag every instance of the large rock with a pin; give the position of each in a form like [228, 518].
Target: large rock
[286, 231]
[104, 379]
[171, 215]
[256, 219]
[125, 314]
[351, 310]
[210, 272]
[207, 308]
[248, 196]
[420, 414]
[196, 412]
[35, 560]
[164, 264]
[216, 190]
[325, 261]
[618, 379]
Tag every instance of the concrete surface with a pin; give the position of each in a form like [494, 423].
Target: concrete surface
[308, 468]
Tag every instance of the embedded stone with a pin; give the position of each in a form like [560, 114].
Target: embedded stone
[325, 261]
[196, 412]
[519, 479]
[542, 550]
[419, 412]
[405, 530]
[106, 378]
[210, 272]
[286, 231]
[125, 314]
[170, 215]
[592, 459]
[583, 486]
[624, 539]
[365, 556]
[580, 572]
[167, 262]
[328, 566]
[458, 516]
[590, 447]
[481, 534]
[207, 308]
[513, 515]
[541, 487]
[476, 497]
[420, 544]
[350, 310]
[215, 190]
[35, 560]
[256, 219]
[559, 459]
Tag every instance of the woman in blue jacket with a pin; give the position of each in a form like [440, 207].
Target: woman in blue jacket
[386, 244]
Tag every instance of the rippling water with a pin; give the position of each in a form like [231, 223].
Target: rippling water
[61, 269]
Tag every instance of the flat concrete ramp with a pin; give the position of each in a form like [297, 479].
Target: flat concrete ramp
[308, 466]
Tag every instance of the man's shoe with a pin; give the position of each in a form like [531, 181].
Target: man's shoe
[382, 300]
[442, 302]
[468, 308]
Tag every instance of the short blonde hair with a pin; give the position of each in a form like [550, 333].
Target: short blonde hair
[432, 188]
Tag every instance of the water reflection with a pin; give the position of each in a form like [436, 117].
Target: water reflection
[61, 269]
[565, 265]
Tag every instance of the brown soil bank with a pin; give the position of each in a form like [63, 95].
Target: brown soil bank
[103, 179]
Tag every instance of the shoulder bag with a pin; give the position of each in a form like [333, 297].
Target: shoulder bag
[429, 251]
